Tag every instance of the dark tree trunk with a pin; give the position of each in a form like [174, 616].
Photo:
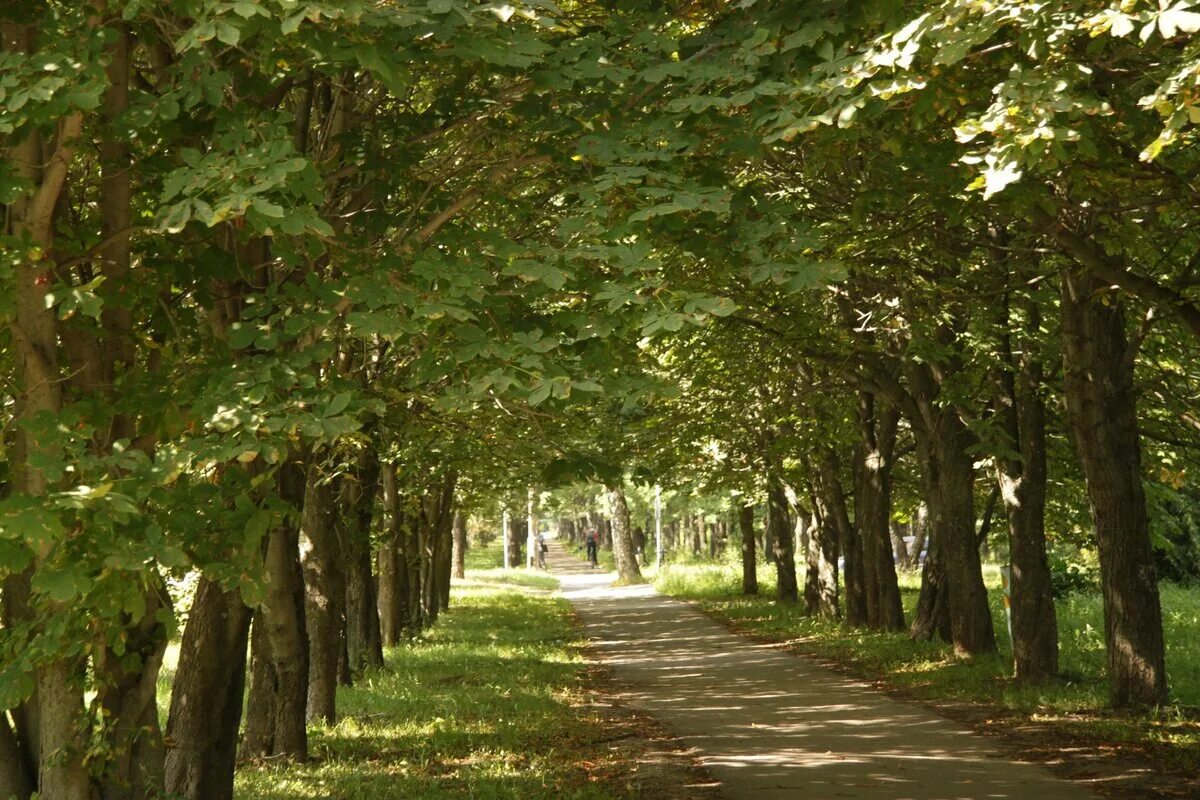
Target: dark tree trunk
[206, 696]
[364, 639]
[459, 556]
[899, 548]
[749, 556]
[323, 593]
[279, 680]
[832, 499]
[15, 777]
[781, 541]
[949, 477]
[932, 616]
[128, 694]
[1102, 410]
[622, 537]
[1021, 412]
[872, 515]
[392, 564]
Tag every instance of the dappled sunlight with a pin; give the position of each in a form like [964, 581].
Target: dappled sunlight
[769, 724]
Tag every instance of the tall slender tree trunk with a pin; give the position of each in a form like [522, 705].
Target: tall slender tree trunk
[206, 696]
[364, 640]
[1022, 479]
[279, 679]
[781, 541]
[1102, 409]
[392, 564]
[622, 536]
[832, 499]
[749, 556]
[459, 555]
[54, 714]
[872, 515]
[321, 562]
[949, 479]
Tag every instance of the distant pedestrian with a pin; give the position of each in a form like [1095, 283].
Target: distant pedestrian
[593, 549]
[542, 549]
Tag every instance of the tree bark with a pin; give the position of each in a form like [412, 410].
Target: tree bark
[206, 696]
[364, 640]
[622, 536]
[749, 556]
[1021, 412]
[459, 555]
[324, 589]
[832, 499]
[781, 541]
[949, 476]
[872, 514]
[821, 576]
[128, 683]
[279, 680]
[1102, 409]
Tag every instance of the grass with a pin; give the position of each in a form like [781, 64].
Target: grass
[929, 670]
[487, 705]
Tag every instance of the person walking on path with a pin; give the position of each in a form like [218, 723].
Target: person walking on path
[593, 549]
[541, 551]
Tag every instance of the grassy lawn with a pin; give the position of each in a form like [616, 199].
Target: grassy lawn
[488, 704]
[929, 670]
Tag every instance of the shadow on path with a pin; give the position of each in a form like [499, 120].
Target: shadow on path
[770, 725]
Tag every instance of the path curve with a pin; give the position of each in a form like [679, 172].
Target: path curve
[771, 725]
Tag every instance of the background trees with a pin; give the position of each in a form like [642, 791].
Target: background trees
[286, 286]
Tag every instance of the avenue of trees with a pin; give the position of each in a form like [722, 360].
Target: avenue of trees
[291, 289]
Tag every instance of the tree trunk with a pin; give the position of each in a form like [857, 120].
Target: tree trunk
[622, 536]
[1022, 480]
[15, 779]
[872, 514]
[781, 541]
[749, 556]
[832, 499]
[821, 576]
[323, 593]
[206, 696]
[364, 639]
[392, 565]
[949, 478]
[459, 555]
[280, 678]
[1102, 410]
[128, 693]
[932, 616]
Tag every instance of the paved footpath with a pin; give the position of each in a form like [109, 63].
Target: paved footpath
[771, 725]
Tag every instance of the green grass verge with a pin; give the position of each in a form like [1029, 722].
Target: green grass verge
[479, 707]
[929, 670]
